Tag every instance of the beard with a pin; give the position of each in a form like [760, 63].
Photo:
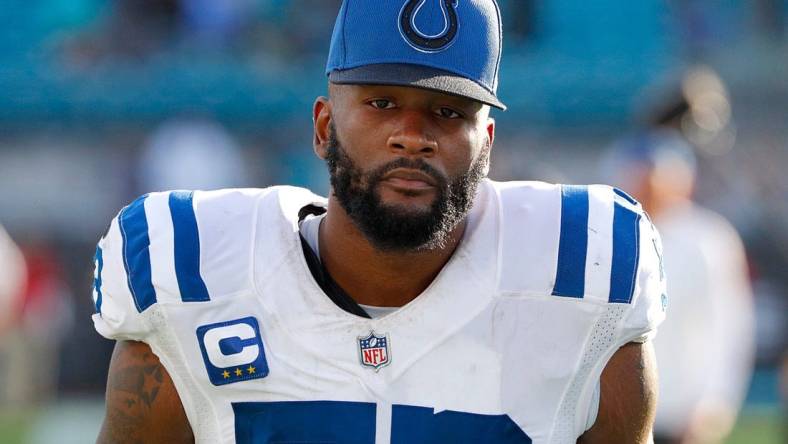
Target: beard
[399, 228]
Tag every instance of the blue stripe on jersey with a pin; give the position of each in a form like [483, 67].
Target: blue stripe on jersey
[99, 259]
[626, 246]
[573, 244]
[625, 196]
[136, 255]
[187, 247]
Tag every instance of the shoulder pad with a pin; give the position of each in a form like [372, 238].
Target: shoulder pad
[573, 241]
[172, 247]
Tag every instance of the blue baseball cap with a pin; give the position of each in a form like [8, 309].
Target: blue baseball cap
[449, 46]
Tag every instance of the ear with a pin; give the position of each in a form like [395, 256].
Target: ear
[491, 130]
[321, 119]
[490, 140]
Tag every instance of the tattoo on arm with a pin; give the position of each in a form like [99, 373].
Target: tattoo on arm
[134, 388]
[133, 385]
[139, 383]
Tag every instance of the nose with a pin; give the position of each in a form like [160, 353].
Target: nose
[412, 136]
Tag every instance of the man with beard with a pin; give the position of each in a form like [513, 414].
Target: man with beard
[419, 303]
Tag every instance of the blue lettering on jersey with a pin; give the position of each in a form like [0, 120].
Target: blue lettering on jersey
[417, 425]
[304, 422]
[97, 296]
[354, 423]
[233, 351]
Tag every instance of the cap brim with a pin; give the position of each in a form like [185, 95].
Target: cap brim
[416, 76]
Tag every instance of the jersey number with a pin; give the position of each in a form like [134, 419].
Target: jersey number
[327, 422]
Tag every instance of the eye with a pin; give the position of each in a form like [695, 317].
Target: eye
[448, 113]
[382, 104]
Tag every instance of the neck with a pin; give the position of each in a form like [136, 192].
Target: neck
[375, 277]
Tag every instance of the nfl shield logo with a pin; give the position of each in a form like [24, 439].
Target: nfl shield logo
[374, 350]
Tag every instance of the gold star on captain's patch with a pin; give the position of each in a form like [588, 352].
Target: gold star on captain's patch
[250, 369]
[226, 374]
[238, 372]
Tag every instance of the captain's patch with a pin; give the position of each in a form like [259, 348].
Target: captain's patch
[233, 351]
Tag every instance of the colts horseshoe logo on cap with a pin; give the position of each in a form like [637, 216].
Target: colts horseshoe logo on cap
[424, 42]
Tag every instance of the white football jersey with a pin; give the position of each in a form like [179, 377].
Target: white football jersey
[505, 346]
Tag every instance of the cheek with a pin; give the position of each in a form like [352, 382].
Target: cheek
[463, 154]
[363, 145]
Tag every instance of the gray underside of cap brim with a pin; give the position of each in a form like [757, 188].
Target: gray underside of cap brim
[416, 76]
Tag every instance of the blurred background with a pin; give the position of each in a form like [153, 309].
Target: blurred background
[103, 100]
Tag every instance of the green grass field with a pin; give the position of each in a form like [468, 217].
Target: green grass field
[15, 426]
[759, 428]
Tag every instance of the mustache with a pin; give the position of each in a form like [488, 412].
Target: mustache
[414, 164]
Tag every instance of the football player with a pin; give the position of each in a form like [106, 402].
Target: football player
[419, 303]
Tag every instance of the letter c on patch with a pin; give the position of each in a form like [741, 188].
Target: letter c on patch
[242, 332]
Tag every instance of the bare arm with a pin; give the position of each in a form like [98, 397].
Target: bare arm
[628, 398]
[142, 403]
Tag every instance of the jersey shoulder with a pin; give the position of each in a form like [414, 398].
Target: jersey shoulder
[181, 247]
[591, 244]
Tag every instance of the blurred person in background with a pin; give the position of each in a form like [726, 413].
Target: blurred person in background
[39, 316]
[705, 349]
[12, 283]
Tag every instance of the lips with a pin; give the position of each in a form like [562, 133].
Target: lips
[410, 179]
